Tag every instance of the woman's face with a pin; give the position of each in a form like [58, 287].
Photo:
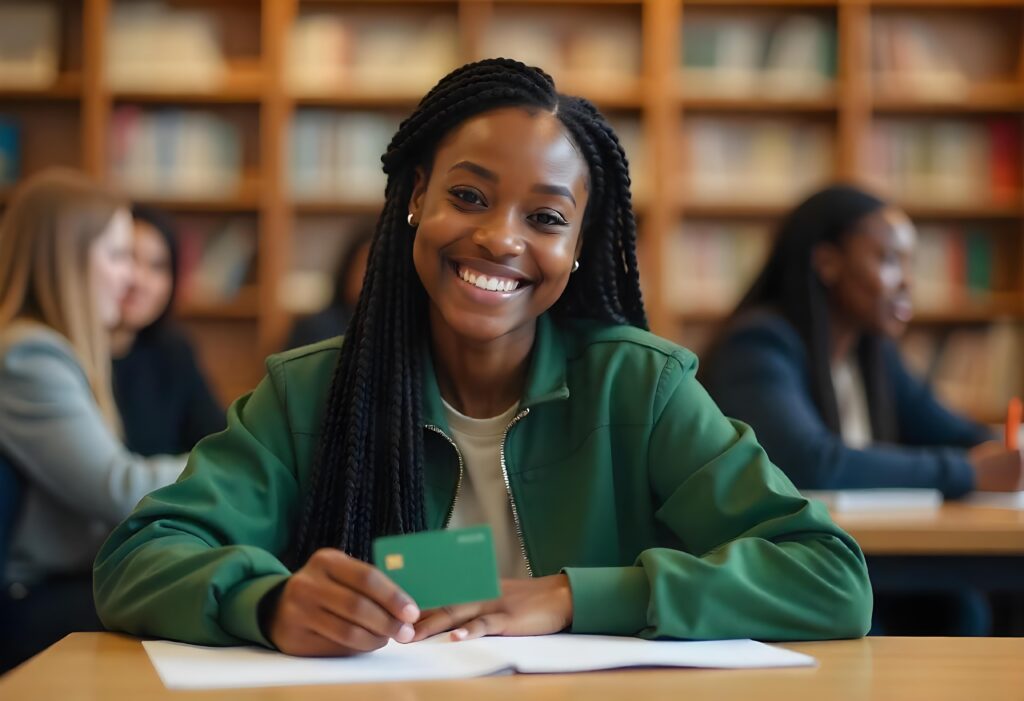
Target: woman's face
[498, 222]
[153, 282]
[110, 268]
[869, 274]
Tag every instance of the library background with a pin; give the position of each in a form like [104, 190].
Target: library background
[259, 125]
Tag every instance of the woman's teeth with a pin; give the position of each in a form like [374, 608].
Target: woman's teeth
[494, 284]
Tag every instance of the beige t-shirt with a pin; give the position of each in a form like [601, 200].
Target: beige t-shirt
[852, 402]
[483, 497]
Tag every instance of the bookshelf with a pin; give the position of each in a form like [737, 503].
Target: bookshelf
[808, 87]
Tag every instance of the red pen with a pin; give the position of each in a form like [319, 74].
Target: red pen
[1013, 411]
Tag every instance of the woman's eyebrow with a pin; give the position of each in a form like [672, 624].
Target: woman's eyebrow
[475, 169]
[487, 174]
[554, 190]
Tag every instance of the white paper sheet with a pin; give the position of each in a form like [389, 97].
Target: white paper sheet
[999, 500]
[183, 666]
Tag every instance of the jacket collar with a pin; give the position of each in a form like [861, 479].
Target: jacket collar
[545, 380]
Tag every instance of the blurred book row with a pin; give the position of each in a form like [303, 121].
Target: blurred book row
[754, 55]
[941, 55]
[954, 267]
[975, 370]
[216, 260]
[766, 161]
[174, 153]
[955, 162]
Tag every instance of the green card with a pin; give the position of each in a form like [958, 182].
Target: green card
[441, 568]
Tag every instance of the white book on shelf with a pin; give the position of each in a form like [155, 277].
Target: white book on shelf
[999, 500]
[317, 46]
[862, 500]
[155, 48]
[28, 44]
[797, 52]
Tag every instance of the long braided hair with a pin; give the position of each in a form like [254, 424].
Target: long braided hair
[788, 285]
[367, 477]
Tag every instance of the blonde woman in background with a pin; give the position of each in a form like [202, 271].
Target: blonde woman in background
[65, 267]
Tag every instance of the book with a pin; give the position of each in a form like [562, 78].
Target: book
[710, 265]
[175, 153]
[336, 156]
[757, 54]
[182, 666]
[153, 47]
[374, 52]
[29, 56]
[861, 500]
[222, 266]
[952, 162]
[768, 160]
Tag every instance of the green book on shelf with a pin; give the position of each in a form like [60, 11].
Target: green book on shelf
[979, 263]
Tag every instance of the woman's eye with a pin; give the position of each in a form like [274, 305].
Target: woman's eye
[468, 196]
[549, 219]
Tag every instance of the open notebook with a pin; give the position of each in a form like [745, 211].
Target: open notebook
[182, 666]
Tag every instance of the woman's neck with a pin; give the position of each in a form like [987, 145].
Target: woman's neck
[480, 380]
[843, 337]
[121, 342]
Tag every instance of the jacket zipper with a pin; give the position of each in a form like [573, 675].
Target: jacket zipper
[508, 489]
[458, 483]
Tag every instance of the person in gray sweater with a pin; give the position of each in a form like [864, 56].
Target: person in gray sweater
[65, 266]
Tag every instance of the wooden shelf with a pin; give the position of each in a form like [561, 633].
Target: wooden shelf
[358, 100]
[731, 210]
[928, 211]
[698, 103]
[69, 124]
[245, 306]
[629, 97]
[762, 3]
[241, 86]
[968, 313]
[243, 202]
[67, 87]
[979, 99]
[306, 206]
[944, 4]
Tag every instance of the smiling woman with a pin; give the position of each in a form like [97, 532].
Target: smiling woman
[497, 370]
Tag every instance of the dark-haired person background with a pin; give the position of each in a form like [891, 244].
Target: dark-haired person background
[348, 280]
[809, 360]
[497, 370]
[162, 396]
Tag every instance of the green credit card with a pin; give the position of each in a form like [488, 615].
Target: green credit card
[441, 568]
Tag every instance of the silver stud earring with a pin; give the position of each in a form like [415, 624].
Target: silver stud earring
[575, 266]
[409, 219]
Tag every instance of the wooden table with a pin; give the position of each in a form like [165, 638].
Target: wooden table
[959, 545]
[90, 666]
[954, 529]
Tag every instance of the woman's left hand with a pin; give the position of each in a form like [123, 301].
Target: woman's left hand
[527, 607]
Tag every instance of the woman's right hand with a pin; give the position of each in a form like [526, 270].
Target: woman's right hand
[996, 469]
[337, 606]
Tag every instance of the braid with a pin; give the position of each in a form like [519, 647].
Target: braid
[367, 477]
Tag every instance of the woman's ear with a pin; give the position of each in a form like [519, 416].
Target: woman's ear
[827, 263]
[419, 191]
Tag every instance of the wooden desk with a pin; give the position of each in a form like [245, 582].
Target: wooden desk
[89, 666]
[958, 546]
[955, 529]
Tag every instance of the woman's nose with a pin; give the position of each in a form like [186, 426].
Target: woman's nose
[500, 237]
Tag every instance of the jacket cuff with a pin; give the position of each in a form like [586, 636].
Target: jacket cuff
[239, 609]
[959, 474]
[608, 600]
